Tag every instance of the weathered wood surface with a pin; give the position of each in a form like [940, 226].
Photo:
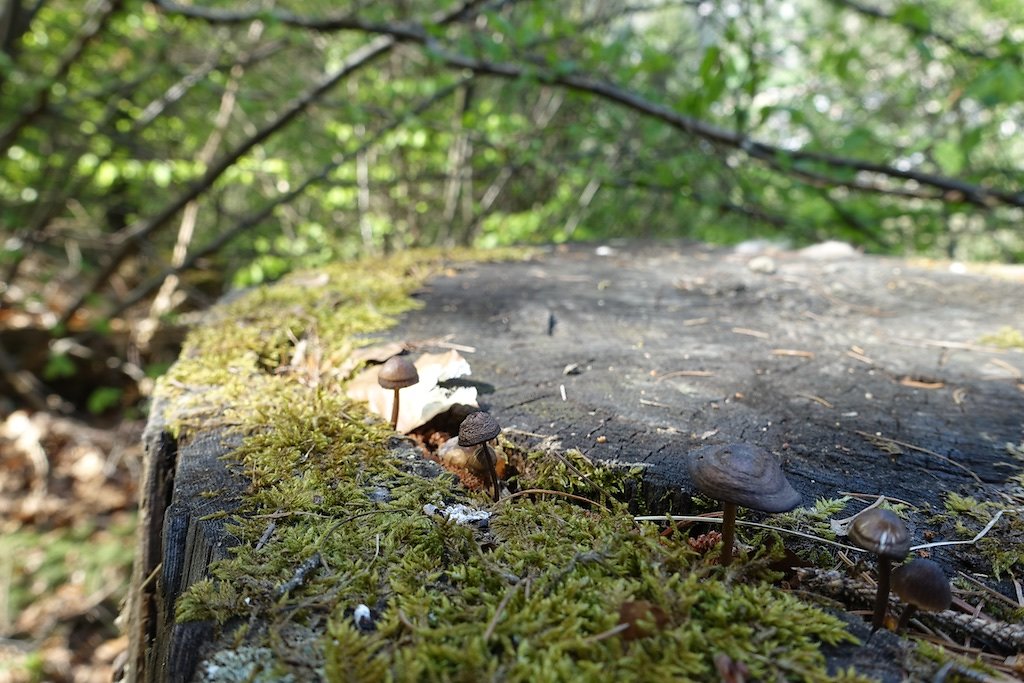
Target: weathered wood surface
[638, 355]
[176, 545]
[678, 347]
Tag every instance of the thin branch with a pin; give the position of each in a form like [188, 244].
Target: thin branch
[339, 22]
[792, 532]
[756, 525]
[927, 32]
[952, 189]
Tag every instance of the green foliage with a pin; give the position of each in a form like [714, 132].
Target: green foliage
[133, 122]
[1004, 338]
[58, 366]
[103, 399]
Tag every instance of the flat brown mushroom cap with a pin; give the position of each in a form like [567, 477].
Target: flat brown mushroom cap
[881, 532]
[477, 428]
[923, 584]
[742, 474]
[397, 373]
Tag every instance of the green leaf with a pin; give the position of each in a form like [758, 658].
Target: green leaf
[161, 174]
[58, 366]
[949, 156]
[106, 174]
[914, 16]
[1003, 83]
[103, 399]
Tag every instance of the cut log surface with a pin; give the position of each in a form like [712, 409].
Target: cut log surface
[863, 374]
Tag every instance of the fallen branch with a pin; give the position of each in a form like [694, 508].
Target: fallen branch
[302, 573]
[834, 584]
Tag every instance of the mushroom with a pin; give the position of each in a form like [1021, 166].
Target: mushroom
[740, 474]
[476, 430]
[883, 533]
[397, 373]
[923, 586]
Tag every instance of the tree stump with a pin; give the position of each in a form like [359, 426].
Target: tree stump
[865, 375]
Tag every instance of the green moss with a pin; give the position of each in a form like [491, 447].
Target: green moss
[1005, 338]
[970, 507]
[533, 597]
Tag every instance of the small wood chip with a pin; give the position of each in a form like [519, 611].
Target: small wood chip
[921, 384]
[751, 333]
[816, 399]
[793, 352]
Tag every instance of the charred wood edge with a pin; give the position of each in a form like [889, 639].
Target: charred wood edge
[143, 597]
[835, 584]
[177, 542]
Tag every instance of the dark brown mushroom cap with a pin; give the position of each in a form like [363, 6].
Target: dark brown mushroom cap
[477, 428]
[881, 532]
[742, 474]
[923, 584]
[397, 373]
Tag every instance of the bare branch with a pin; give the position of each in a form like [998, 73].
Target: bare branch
[339, 22]
[923, 32]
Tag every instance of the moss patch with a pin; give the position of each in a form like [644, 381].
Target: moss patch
[1005, 338]
[334, 520]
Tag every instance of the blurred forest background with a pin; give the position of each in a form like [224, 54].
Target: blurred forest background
[155, 154]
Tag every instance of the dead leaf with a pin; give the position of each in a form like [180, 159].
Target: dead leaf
[422, 401]
[641, 618]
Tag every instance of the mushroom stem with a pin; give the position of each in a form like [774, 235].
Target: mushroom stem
[882, 596]
[394, 412]
[489, 458]
[908, 612]
[728, 533]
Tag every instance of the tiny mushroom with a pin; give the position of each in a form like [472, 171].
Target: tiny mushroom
[477, 430]
[923, 586]
[883, 533]
[397, 373]
[740, 474]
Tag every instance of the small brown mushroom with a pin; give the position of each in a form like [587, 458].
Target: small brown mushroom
[883, 533]
[397, 373]
[923, 586]
[476, 430]
[739, 474]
